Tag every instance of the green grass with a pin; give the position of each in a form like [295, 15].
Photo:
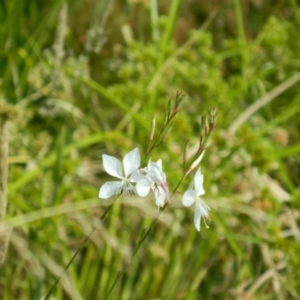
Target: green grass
[83, 86]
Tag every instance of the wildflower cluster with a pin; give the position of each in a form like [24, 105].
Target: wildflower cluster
[149, 178]
[140, 181]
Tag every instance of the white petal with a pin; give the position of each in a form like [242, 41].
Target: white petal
[188, 197]
[198, 183]
[159, 163]
[204, 208]
[201, 210]
[109, 189]
[156, 173]
[143, 187]
[136, 176]
[112, 166]
[155, 165]
[132, 161]
[166, 190]
[160, 197]
[198, 215]
[128, 188]
[149, 164]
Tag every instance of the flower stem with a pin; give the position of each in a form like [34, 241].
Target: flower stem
[141, 241]
[79, 249]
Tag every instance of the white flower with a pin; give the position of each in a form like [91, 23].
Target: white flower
[192, 195]
[112, 166]
[152, 177]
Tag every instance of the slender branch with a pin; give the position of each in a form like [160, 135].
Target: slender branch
[135, 251]
[210, 119]
[141, 241]
[78, 250]
[165, 127]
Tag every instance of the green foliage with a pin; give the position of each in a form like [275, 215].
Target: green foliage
[78, 90]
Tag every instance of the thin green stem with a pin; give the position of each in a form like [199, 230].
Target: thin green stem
[78, 250]
[141, 241]
[192, 167]
[121, 272]
[179, 183]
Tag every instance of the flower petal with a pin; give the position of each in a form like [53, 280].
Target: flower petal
[159, 164]
[136, 176]
[198, 215]
[160, 196]
[204, 208]
[112, 166]
[198, 183]
[109, 189]
[166, 190]
[156, 172]
[188, 197]
[143, 187]
[131, 161]
[201, 210]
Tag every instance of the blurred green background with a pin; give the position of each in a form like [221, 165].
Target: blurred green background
[86, 77]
